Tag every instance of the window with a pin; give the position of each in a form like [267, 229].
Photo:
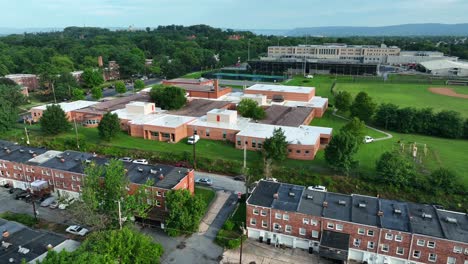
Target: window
[421, 242]
[385, 247]
[388, 236]
[73, 178]
[286, 217]
[466, 251]
[278, 216]
[263, 213]
[165, 135]
[73, 186]
[432, 257]
[276, 226]
[451, 260]
[357, 242]
[255, 211]
[50, 182]
[207, 133]
[370, 245]
[148, 201]
[158, 203]
[287, 229]
[315, 234]
[195, 132]
[398, 238]
[330, 225]
[259, 145]
[370, 232]
[253, 221]
[339, 227]
[400, 251]
[289, 150]
[302, 231]
[155, 133]
[254, 143]
[224, 134]
[298, 151]
[361, 231]
[264, 224]
[457, 249]
[238, 142]
[305, 221]
[431, 244]
[313, 222]
[306, 152]
[158, 193]
[416, 254]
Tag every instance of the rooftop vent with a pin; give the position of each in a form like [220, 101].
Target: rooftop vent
[31, 152]
[140, 169]
[397, 211]
[310, 197]
[325, 204]
[424, 215]
[153, 171]
[5, 148]
[21, 150]
[362, 205]
[161, 176]
[275, 196]
[342, 202]
[292, 194]
[23, 250]
[451, 220]
[380, 213]
[77, 159]
[62, 160]
[6, 244]
[49, 247]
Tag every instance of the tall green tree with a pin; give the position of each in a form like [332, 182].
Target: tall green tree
[109, 126]
[449, 124]
[356, 128]
[120, 87]
[465, 129]
[363, 107]
[12, 94]
[250, 108]
[185, 212]
[139, 84]
[343, 100]
[96, 93]
[78, 94]
[386, 116]
[405, 121]
[395, 169]
[8, 115]
[276, 147]
[92, 78]
[168, 98]
[62, 63]
[54, 120]
[443, 180]
[339, 154]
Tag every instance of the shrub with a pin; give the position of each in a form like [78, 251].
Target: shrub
[228, 225]
[24, 219]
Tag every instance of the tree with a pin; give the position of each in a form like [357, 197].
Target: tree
[185, 212]
[120, 87]
[276, 147]
[424, 121]
[92, 78]
[443, 180]
[168, 98]
[395, 169]
[356, 128]
[250, 108]
[62, 63]
[139, 84]
[8, 115]
[449, 124]
[343, 101]
[96, 93]
[12, 94]
[465, 129]
[102, 188]
[109, 126]
[54, 120]
[340, 152]
[78, 94]
[405, 120]
[363, 107]
[386, 116]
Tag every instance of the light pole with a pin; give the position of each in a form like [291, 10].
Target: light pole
[120, 215]
[194, 152]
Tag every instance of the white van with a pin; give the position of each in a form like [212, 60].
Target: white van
[193, 139]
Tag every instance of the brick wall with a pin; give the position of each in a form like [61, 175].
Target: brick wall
[303, 97]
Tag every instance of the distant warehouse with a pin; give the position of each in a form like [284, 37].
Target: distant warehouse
[445, 68]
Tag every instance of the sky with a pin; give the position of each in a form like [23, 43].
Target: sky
[236, 14]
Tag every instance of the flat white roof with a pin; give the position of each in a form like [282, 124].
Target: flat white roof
[68, 106]
[316, 101]
[303, 135]
[172, 121]
[137, 103]
[241, 123]
[50, 154]
[281, 88]
[444, 64]
[220, 111]
[19, 75]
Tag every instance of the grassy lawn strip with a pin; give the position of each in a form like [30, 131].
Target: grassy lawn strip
[194, 75]
[206, 194]
[24, 219]
[230, 234]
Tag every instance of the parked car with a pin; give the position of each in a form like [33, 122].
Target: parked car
[368, 139]
[45, 196]
[141, 161]
[239, 178]
[271, 179]
[13, 190]
[77, 230]
[54, 205]
[126, 159]
[193, 139]
[204, 181]
[319, 188]
[22, 194]
[6, 185]
[48, 201]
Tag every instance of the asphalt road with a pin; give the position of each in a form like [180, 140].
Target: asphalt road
[222, 182]
[111, 92]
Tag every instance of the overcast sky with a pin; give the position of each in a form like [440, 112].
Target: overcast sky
[238, 14]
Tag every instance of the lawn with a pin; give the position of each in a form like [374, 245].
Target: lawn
[206, 194]
[449, 153]
[322, 83]
[408, 95]
[195, 75]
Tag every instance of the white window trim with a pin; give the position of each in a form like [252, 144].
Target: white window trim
[305, 221]
[388, 236]
[429, 242]
[255, 211]
[414, 254]
[385, 247]
[287, 228]
[302, 233]
[277, 215]
[263, 212]
[402, 252]
[432, 260]
[339, 227]
[285, 217]
[253, 221]
[330, 225]
[400, 238]
[370, 244]
[361, 231]
[422, 244]
[370, 231]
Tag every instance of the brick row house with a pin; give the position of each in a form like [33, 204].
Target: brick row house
[356, 228]
[64, 172]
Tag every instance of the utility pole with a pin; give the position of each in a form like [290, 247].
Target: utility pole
[242, 230]
[194, 152]
[27, 136]
[120, 215]
[76, 133]
[53, 91]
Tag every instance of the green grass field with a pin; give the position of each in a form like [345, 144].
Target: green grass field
[408, 95]
[206, 194]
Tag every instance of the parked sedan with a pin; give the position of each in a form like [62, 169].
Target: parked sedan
[368, 139]
[77, 230]
[126, 159]
[204, 181]
[48, 201]
[13, 190]
[239, 178]
[21, 195]
[141, 161]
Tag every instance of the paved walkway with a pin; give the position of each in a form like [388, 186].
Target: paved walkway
[218, 203]
[261, 253]
[388, 135]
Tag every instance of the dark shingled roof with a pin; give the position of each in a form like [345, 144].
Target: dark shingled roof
[395, 215]
[424, 220]
[199, 107]
[114, 104]
[263, 193]
[338, 206]
[286, 116]
[360, 214]
[18, 153]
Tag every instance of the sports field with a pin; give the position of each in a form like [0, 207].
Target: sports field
[409, 95]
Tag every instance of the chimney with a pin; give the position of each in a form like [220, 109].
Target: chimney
[380, 213]
[161, 176]
[62, 160]
[275, 196]
[216, 85]
[325, 204]
[5, 234]
[100, 63]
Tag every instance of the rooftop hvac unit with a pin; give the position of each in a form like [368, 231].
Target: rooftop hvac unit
[424, 215]
[21, 150]
[397, 211]
[292, 194]
[342, 202]
[153, 171]
[310, 197]
[451, 220]
[362, 205]
[140, 169]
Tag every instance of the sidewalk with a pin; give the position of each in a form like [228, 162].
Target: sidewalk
[218, 203]
[261, 253]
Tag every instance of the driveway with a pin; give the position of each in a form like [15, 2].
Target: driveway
[222, 182]
[199, 247]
